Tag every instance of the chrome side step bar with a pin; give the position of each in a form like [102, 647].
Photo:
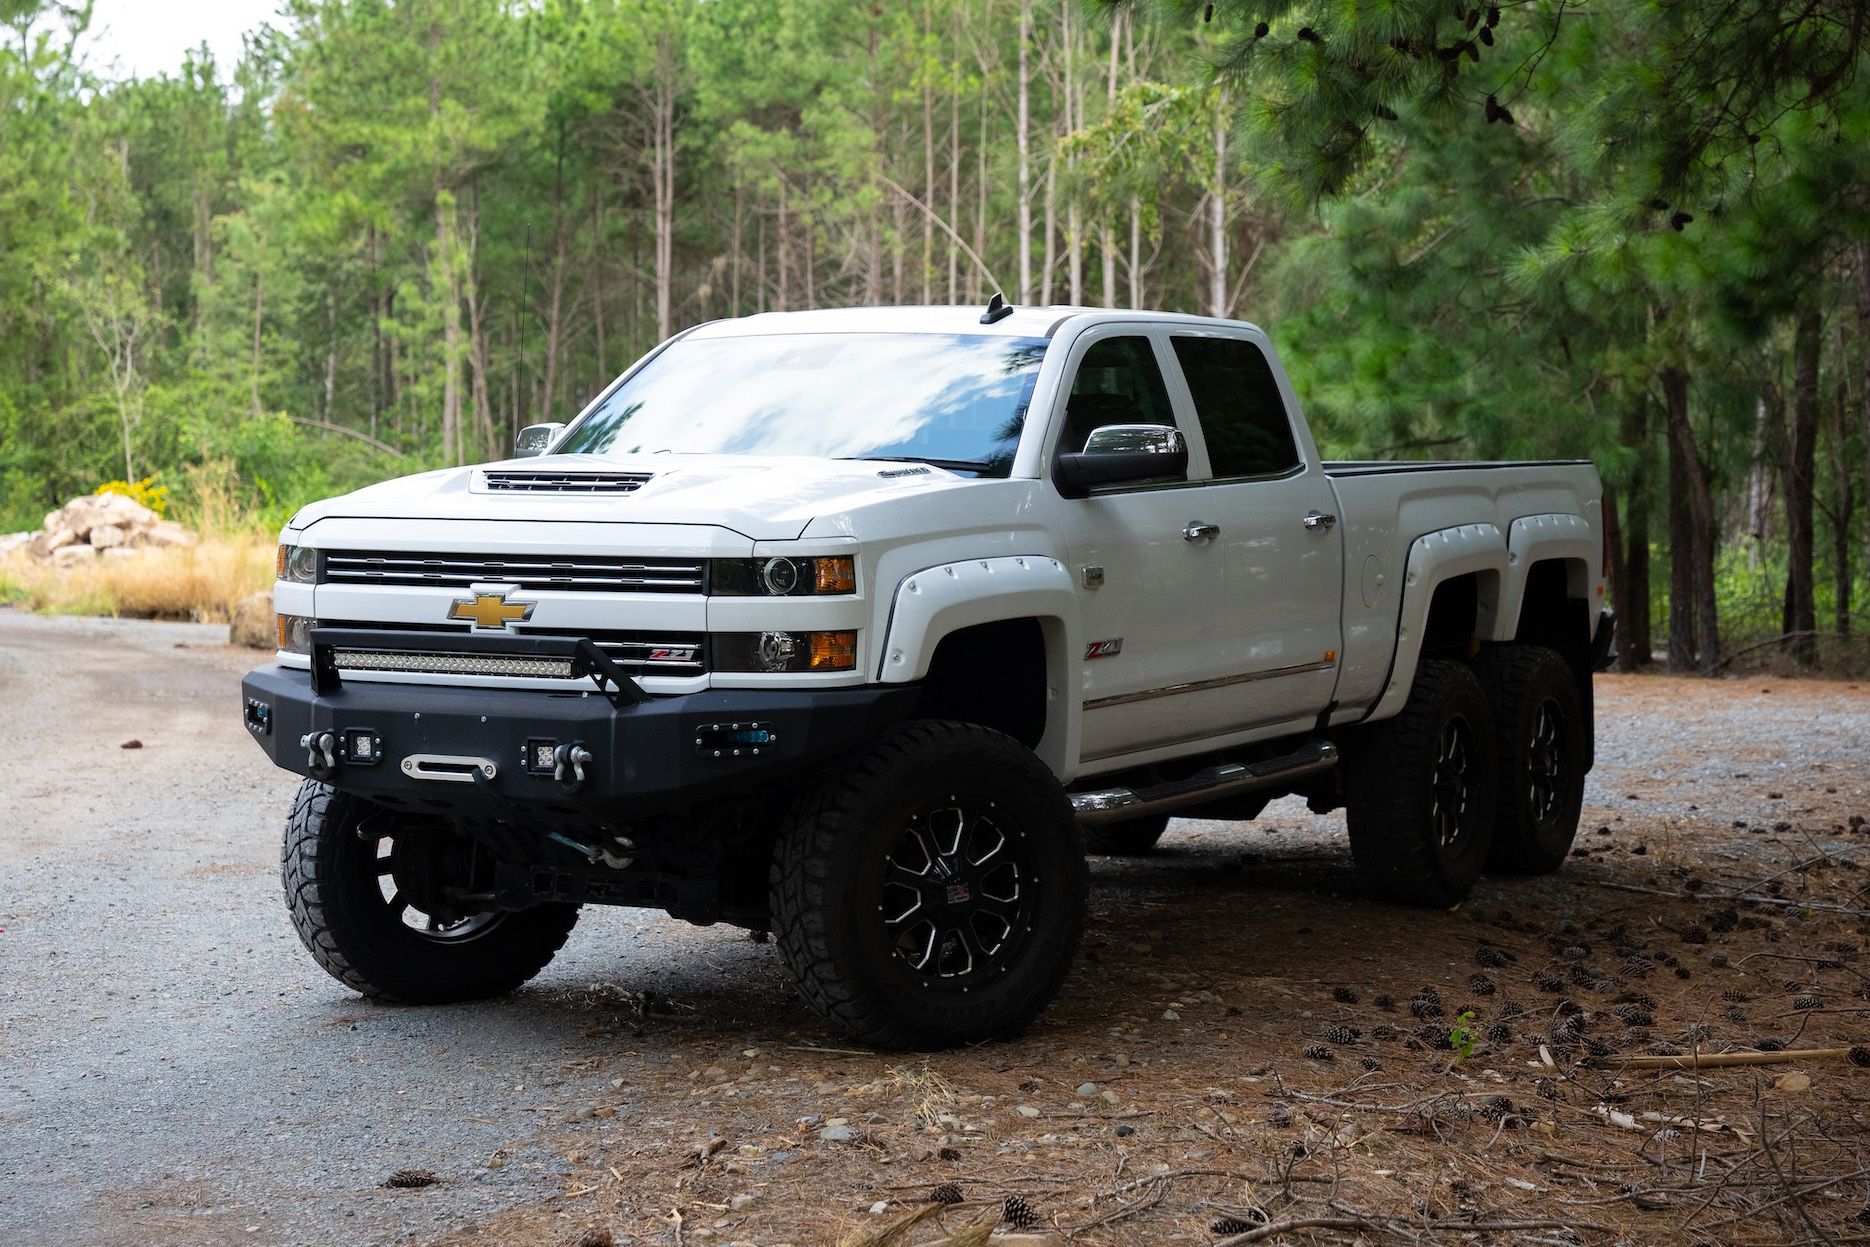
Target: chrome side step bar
[1115, 805]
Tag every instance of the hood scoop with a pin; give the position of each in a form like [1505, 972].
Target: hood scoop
[543, 481]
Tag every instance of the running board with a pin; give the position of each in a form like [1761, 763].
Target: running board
[1116, 805]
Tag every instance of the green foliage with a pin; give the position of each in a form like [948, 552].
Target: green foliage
[1463, 1037]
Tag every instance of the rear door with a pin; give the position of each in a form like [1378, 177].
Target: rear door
[1283, 585]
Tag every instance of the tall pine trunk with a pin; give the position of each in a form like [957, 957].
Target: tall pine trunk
[554, 318]
[1634, 642]
[1841, 516]
[662, 154]
[1217, 217]
[1696, 504]
[1801, 615]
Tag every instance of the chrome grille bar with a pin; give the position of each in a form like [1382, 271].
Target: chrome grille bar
[575, 573]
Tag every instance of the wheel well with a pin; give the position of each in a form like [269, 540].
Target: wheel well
[1550, 615]
[992, 674]
[1449, 631]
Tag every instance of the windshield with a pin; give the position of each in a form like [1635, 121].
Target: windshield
[953, 400]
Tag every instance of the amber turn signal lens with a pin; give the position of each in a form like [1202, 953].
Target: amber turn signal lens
[280, 573]
[834, 651]
[837, 575]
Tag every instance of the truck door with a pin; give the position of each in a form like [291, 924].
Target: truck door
[1268, 495]
[1152, 596]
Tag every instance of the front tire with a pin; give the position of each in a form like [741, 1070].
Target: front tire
[1131, 838]
[1419, 791]
[933, 892]
[1539, 723]
[369, 901]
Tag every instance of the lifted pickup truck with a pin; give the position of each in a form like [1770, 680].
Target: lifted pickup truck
[862, 626]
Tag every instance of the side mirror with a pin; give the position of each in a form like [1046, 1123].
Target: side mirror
[1122, 454]
[533, 439]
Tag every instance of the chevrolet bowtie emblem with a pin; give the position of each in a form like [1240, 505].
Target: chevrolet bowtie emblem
[491, 610]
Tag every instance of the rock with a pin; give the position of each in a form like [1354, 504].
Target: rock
[1125, 1130]
[47, 540]
[106, 535]
[65, 556]
[838, 1134]
[10, 542]
[169, 533]
[1109, 1097]
[1087, 1088]
[1027, 1110]
[1170, 1015]
[743, 1201]
[1793, 1082]
[254, 625]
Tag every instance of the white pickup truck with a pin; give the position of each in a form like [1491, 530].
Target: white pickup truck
[862, 626]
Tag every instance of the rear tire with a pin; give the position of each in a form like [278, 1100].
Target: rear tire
[1419, 791]
[1539, 726]
[1130, 838]
[354, 902]
[933, 892]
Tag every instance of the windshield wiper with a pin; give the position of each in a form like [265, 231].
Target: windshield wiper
[948, 465]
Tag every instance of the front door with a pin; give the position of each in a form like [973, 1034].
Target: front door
[1152, 596]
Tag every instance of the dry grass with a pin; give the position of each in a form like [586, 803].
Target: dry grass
[202, 583]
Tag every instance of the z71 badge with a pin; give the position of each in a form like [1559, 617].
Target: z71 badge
[1104, 649]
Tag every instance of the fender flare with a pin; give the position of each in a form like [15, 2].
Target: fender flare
[935, 601]
[1541, 539]
[1434, 559]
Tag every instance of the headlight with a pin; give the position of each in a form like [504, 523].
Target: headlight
[295, 633]
[298, 564]
[783, 577]
[784, 651]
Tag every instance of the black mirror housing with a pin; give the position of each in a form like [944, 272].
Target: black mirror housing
[1124, 454]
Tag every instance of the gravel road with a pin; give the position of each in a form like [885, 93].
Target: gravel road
[175, 1069]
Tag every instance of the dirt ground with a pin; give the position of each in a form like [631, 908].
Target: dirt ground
[1245, 1044]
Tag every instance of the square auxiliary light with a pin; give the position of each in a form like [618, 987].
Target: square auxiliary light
[362, 747]
[541, 756]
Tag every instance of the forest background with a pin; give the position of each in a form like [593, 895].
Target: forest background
[1634, 231]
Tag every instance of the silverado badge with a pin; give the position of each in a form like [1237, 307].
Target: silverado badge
[488, 608]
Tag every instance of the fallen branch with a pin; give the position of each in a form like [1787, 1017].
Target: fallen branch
[1757, 900]
[1162, 1189]
[1715, 1059]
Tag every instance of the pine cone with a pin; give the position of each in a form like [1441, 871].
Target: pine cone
[1017, 1213]
[1315, 1052]
[1770, 1043]
[1490, 958]
[1734, 1015]
[1481, 985]
[1344, 995]
[1546, 981]
[410, 1179]
[1597, 1047]
[1372, 1065]
[1806, 1002]
[946, 1193]
[1341, 1035]
[1860, 1055]
[1281, 1116]
[1384, 1001]
[1500, 1033]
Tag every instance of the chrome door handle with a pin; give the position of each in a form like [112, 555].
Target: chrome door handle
[1200, 530]
[1318, 519]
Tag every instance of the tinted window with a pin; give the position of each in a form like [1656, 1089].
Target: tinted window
[1118, 382]
[1237, 399]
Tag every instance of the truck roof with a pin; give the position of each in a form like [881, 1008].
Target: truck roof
[1024, 322]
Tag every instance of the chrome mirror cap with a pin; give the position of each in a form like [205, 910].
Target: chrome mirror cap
[534, 438]
[1147, 439]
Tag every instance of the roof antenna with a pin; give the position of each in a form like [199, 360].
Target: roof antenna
[997, 310]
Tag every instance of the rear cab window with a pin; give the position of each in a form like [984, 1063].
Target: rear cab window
[1243, 416]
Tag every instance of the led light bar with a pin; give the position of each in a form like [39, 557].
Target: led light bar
[453, 664]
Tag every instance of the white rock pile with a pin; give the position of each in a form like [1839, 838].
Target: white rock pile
[97, 525]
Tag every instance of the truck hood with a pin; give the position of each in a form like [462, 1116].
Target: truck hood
[763, 498]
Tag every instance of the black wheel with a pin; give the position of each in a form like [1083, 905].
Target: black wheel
[381, 904]
[1129, 838]
[1419, 791]
[933, 892]
[1540, 755]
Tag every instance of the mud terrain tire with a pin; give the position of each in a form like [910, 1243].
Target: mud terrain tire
[932, 892]
[1419, 791]
[332, 877]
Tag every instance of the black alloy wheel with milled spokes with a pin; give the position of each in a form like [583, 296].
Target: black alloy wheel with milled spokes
[1539, 721]
[387, 907]
[932, 892]
[1419, 790]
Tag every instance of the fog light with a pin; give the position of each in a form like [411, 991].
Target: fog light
[776, 651]
[295, 634]
[362, 746]
[541, 756]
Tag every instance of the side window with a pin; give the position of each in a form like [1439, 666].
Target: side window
[1118, 382]
[1237, 401]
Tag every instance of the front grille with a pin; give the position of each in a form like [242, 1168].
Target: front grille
[573, 573]
[544, 482]
[639, 653]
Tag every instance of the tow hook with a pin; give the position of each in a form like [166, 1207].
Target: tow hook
[569, 768]
[321, 753]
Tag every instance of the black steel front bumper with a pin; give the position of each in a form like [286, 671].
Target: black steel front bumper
[493, 753]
